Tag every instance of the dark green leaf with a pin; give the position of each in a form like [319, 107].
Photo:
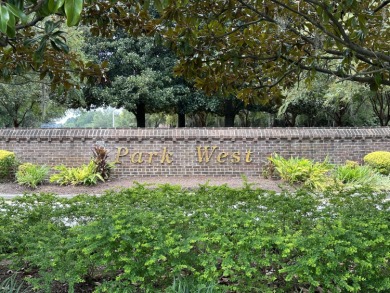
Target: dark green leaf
[59, 45]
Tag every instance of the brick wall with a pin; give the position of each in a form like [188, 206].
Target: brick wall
[170, 152]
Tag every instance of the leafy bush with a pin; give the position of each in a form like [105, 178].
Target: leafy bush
[31, 175]
[215, 238]
[85, 175]
[301, 170]
[380, 161]
[7, 163]
[362, 175]
[100, 156]
[354, 176]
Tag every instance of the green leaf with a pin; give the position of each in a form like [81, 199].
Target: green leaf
[17, 3]
[54, 5]
[378, 78]
[158, 5]
[4, 18]
[59, 45]
[17, 12]
[73, 9]
[11, 26]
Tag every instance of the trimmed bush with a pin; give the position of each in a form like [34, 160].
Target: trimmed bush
[31, 175]
[7, 163]
[380, 161]
[215, 238]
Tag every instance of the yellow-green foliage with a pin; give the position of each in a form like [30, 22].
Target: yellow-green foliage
[85, 175]
[380, 161]
[31, 175]
[7, 161]
[6, 154]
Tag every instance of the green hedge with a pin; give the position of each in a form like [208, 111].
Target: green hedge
[242, 240]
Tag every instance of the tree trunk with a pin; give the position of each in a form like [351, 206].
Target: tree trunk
[140, 115]
[16, 123]
[181, 121]
[229, 113]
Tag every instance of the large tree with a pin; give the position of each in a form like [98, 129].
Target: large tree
[139, 76]
[243, 47]
[25, 101]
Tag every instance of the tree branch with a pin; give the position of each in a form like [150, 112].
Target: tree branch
[381, 6]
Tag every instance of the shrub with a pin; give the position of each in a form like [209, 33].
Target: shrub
[85, 175]
[7, 163]
[300, 170]
[362, 175]
[380, 161]
[31, 175]
[355, 176]
[212, 238]
[100, 156]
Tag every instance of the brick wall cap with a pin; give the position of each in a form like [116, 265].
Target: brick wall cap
[195, 133]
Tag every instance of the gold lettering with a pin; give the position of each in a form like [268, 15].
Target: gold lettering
[221, 156]
[248, 158]
[236, 157]
[166, 156]
[205, 153]
[136, 158]
[120, 154]
[151, 154]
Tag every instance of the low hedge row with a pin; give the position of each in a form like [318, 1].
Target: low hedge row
[230, 240]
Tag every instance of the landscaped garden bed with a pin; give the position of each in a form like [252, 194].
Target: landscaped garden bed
[215, 239]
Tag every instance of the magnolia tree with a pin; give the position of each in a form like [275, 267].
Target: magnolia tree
[246, 48]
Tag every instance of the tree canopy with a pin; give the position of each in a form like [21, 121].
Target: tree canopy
[25, 101]
[32, 38]
[249, 45]
[249, 49]
[239, 46]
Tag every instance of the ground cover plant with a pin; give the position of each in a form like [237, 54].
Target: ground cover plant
[85, 174]
[215, 239]
[301, 170]
[98, 169]
[320, 176]
[31, 175]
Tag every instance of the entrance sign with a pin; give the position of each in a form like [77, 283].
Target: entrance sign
[192, 151]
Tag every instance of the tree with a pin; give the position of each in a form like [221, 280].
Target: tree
[250, 46]
[24, 101]
[326, 102]
[139, 77]
[247, 48]
[101, 118]
[380, 102]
